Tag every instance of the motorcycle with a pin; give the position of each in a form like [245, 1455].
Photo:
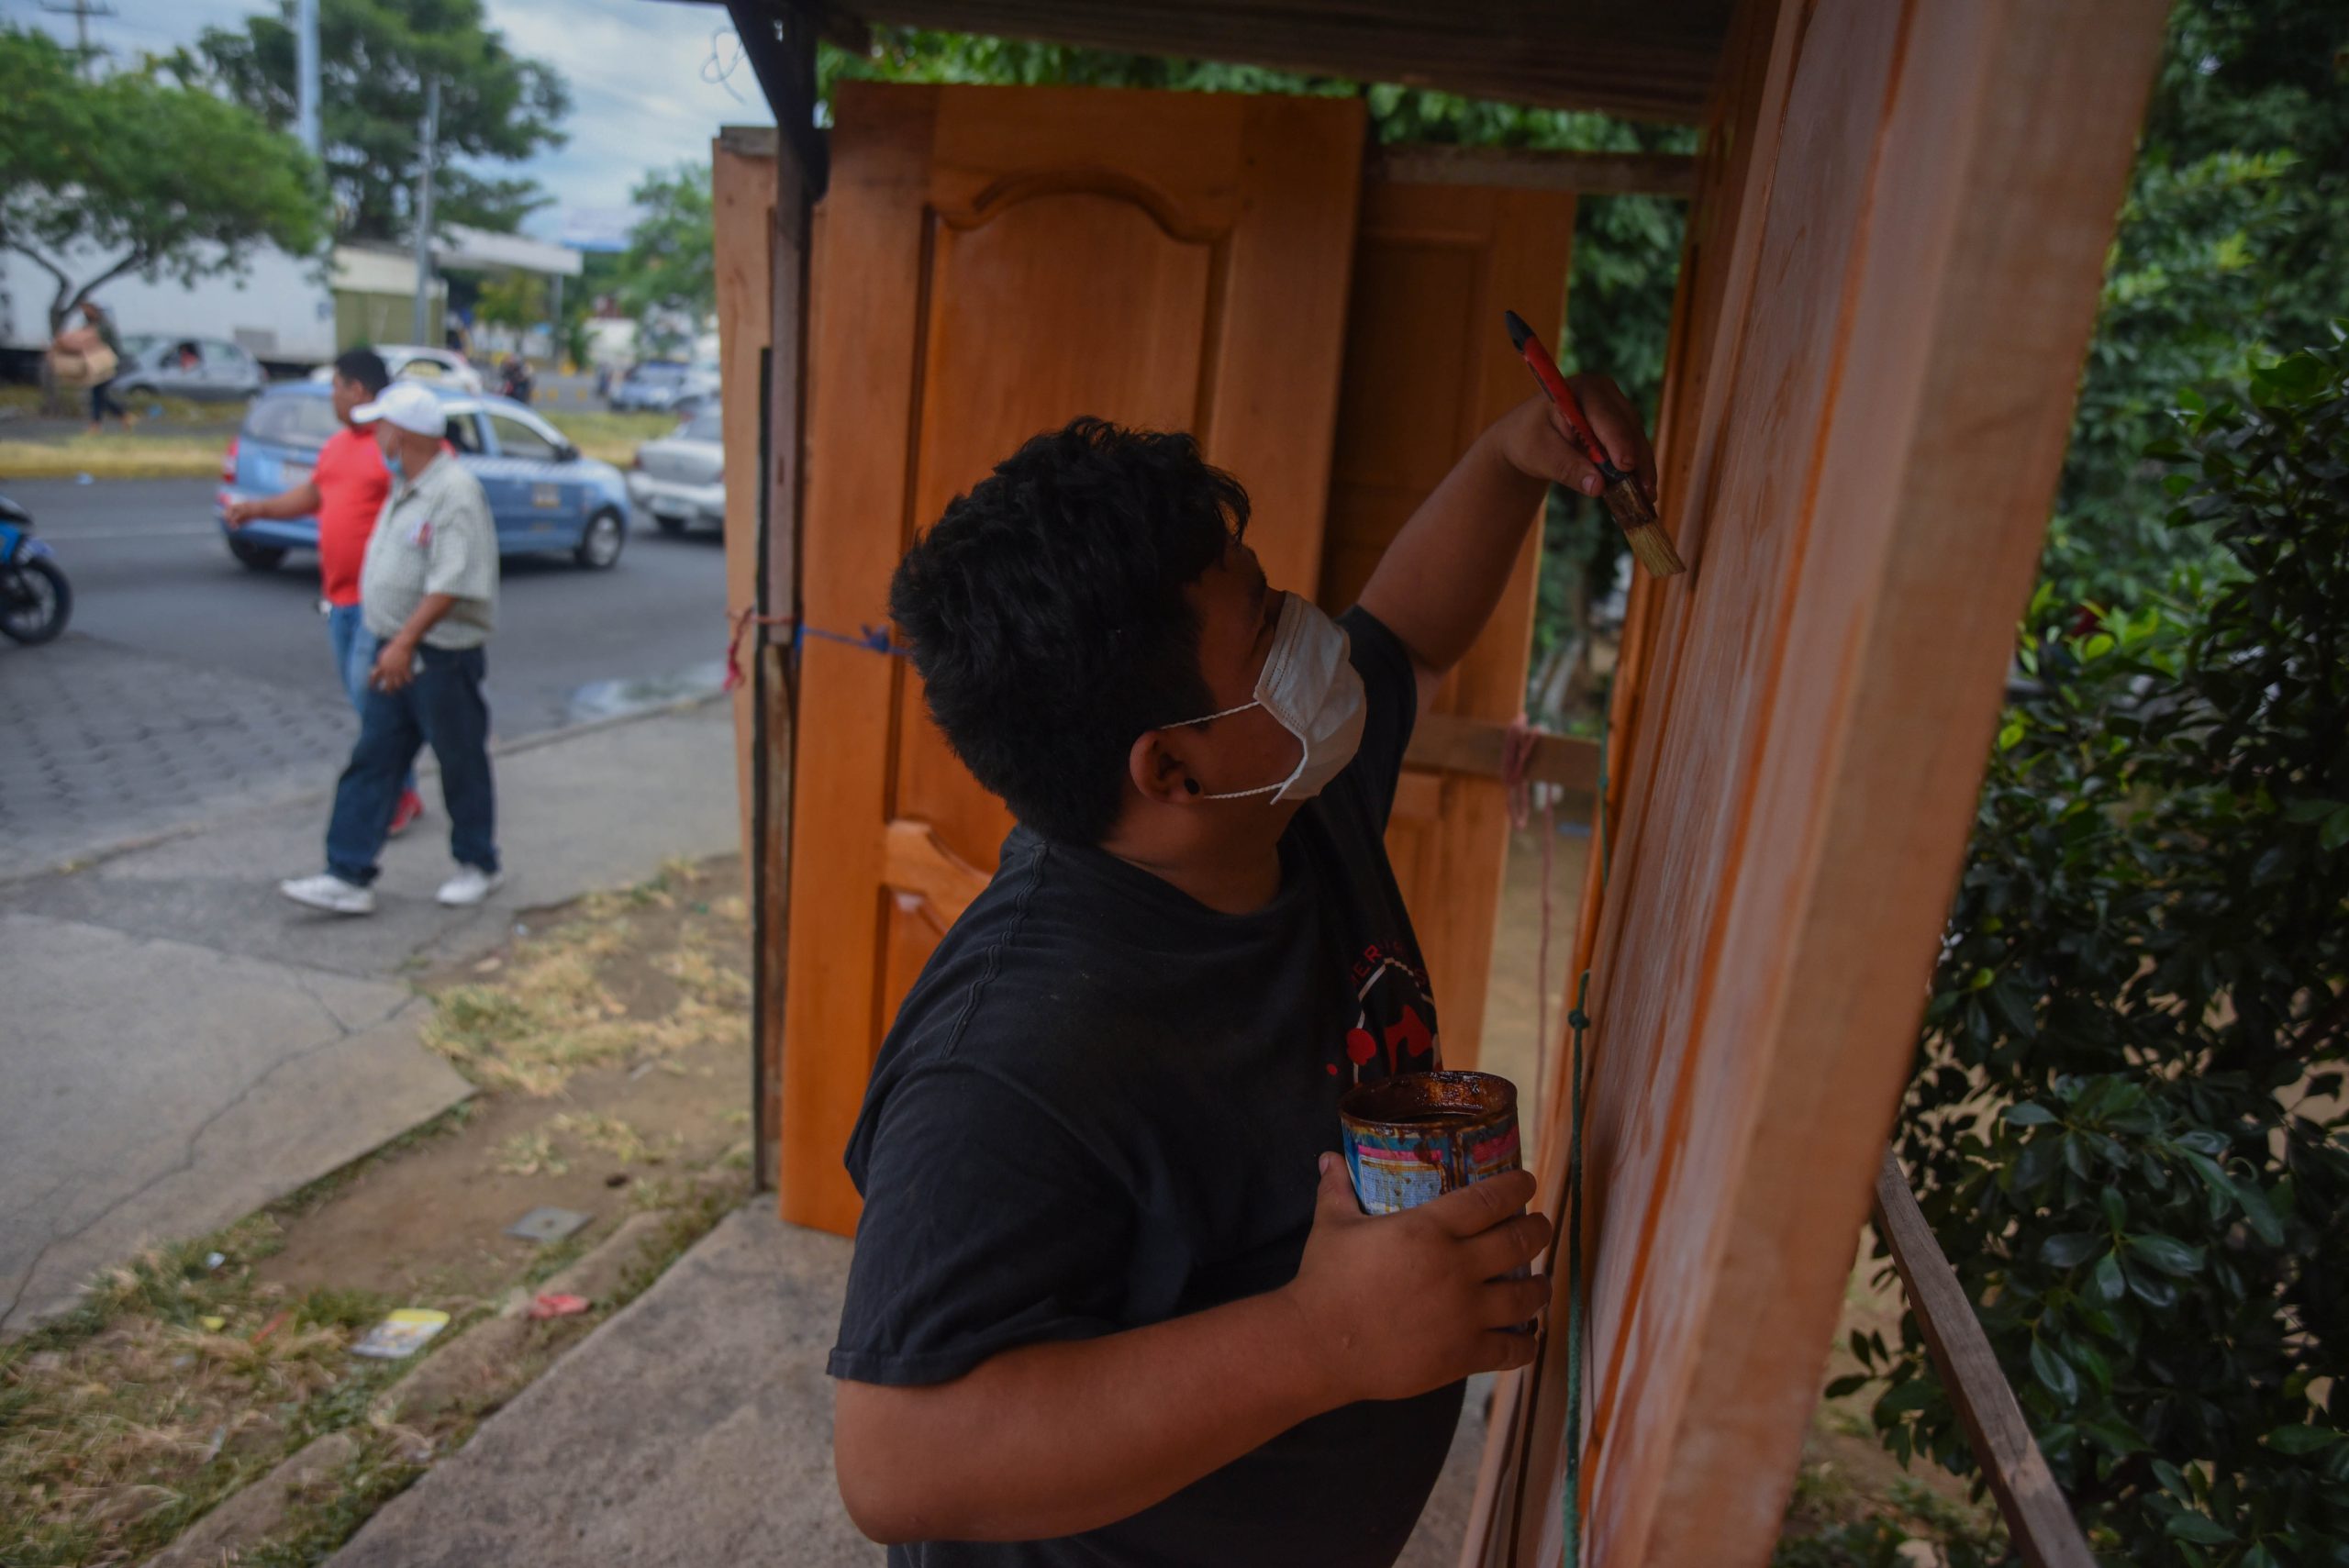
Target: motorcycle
[35, 598]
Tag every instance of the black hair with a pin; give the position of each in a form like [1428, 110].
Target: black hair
[1045, 612]
[365, 368]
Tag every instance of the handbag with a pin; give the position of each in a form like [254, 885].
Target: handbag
[82, 367]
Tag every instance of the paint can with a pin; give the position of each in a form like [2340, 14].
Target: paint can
[1418, 1134]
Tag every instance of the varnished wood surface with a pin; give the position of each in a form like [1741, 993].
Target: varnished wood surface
[997, 262]
[1900, 236]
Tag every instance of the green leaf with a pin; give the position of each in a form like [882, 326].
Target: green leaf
[2302, 1439]
[2200, 1527]
[2029, 1113]
[2054, 1372]
[2116, 1208]
[2069, 1250]
[2335, 831]
[2165, 1253]
[2152, 1290]
[1843, 1386]
[2109, 1283]
[1913, 1394]
[2258, 1213]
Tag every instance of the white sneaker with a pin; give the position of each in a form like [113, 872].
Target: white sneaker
[469, 886]
[328, 892]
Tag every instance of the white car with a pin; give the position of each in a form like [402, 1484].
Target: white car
[441, 367]
[680, 480]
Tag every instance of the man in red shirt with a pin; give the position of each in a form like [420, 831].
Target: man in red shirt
[345, 491]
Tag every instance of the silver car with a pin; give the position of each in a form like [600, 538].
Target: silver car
[156, 364]
[680, 480]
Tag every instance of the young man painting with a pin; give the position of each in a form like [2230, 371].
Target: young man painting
[1113, 1301]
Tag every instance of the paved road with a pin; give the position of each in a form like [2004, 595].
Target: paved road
[187, 679]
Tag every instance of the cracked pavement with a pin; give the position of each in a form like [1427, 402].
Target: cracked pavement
[180, 1046]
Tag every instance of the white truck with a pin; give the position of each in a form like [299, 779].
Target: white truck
[282, 311]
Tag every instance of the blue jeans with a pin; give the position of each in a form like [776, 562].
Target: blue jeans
[442, 706]
[354, 660]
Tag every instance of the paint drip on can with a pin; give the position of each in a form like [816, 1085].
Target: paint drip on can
[1418, 1134]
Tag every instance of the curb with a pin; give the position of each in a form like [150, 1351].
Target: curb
[531, 742]
[477, 1363]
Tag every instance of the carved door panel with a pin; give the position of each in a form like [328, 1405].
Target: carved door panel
[997, 262]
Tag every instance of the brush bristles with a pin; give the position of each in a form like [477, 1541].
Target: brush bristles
[1653, 551]
[1629, 506]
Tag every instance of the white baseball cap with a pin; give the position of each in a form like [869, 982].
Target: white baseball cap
[407, 406]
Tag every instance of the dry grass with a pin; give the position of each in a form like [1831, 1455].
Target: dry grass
[550, 1013]
[23, 402]
[112, 456]
[175, 1383]
[611, 437]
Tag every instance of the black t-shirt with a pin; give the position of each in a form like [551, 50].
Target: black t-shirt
[1102, 1105]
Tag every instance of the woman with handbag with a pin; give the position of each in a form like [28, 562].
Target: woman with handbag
[89, 355]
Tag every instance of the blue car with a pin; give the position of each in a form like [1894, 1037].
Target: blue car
[544, 496]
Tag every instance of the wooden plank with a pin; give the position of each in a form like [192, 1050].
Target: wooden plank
[742, 198]
[873, 250]
[1653, 61]
[1453, 743]
[2038, 1519]
[1914, 254]
[1536, 169]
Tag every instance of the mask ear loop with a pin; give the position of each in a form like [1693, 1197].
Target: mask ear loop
[1236, 794]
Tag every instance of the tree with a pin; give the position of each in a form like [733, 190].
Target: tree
[374, 58]
[162, 179]
[2127, 1124]
[512, 299]
[2233, 244]
[667, 278]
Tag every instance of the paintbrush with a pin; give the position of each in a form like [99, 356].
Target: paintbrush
[1625, 500]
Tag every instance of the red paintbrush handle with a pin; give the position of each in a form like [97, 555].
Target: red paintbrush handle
[1562, 398]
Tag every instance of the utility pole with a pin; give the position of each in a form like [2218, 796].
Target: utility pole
[305, 75]
[81, 11]
[424, 211]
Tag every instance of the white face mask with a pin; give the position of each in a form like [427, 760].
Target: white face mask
[1313, 690]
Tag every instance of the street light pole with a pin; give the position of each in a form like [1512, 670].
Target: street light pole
[305, 75]
[423, 319]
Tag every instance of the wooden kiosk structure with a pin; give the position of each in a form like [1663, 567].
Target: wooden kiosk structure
[1899, 216]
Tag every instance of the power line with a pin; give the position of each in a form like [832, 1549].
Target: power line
[81, 11]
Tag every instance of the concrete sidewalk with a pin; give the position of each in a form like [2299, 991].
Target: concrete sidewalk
[696, 1428]
[182, 1045]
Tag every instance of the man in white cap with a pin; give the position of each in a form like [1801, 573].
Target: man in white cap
[428, 589]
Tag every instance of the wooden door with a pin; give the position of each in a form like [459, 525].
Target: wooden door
[1426, 368]
[996, 261]
[1893, 268]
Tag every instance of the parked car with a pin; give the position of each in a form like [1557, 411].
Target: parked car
[155, 363]
[442, 367]
[543, 494]
[680, 480]
[664, 386]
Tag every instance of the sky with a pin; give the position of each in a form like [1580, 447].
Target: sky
[639, 99]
